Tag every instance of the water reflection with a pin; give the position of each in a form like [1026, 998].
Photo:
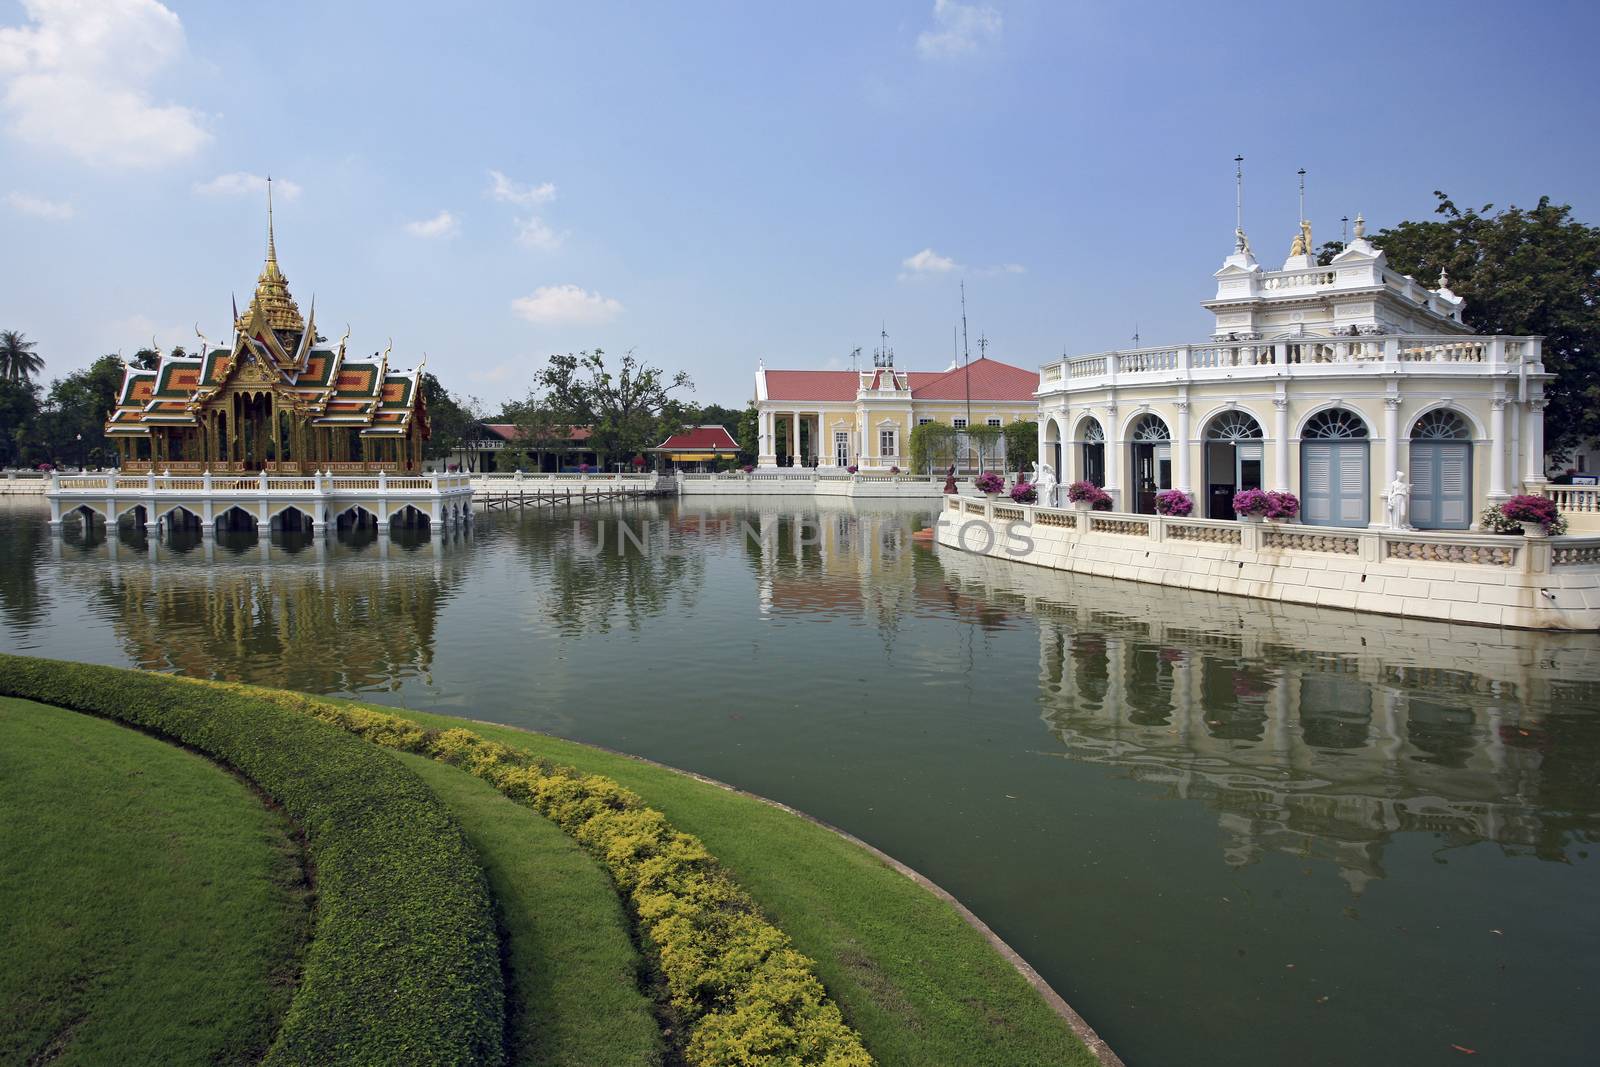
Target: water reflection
[348, 613]
[1308, 734]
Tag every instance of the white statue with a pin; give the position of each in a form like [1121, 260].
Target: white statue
[1399, 494]
[1044, 480]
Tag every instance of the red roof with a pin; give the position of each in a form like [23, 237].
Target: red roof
[987, 379]
[702, 439]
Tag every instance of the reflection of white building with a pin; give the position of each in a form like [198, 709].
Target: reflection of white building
[1320, 380]
[1406, 725]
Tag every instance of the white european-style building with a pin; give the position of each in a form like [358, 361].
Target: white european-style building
[1320, 380]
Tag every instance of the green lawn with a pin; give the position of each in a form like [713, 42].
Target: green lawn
[918, 983]
[573, 993]
[154, 910]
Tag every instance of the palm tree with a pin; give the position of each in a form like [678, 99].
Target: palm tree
[17, 361]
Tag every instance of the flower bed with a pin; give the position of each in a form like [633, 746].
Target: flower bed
[1508, 517]
[1263, 503]
[404, 961]
[746, 994]
[1023, 493]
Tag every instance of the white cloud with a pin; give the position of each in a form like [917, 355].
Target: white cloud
[958, 29]
[77, 78]
[507, 191]
[564, 304]
[927, 263]
[243, 183]
[39, 207]
[443, 224]
[534, 232]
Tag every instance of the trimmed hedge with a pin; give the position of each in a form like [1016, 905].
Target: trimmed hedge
[404, 962]
[745, 993]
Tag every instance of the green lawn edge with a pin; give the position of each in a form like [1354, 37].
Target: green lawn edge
[920, 984]
[154, 908]
[573, 995]
[404, 961]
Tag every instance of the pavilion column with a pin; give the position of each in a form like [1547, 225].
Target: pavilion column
[1391, 439]
[794, 435]
[768, 455]
[1113, 463]
[1280, 443]
[1533, 445]
[1181, 473]
[1497, 450]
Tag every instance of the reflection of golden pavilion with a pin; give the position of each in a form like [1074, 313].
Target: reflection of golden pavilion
[1399, 725]
[251, 618]
[276, 400]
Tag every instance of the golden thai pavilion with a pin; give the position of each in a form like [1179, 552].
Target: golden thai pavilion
[275, 401]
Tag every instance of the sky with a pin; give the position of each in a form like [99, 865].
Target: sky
[716, 184]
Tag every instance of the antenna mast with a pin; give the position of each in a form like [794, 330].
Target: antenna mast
[1238, 193]
[966, 354]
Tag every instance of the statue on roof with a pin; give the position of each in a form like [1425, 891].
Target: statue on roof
[1241, 243]
[1302, 241]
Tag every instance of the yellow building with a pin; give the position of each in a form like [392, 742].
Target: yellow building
[841, 418]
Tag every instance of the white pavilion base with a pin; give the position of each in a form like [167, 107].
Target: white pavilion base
[1539, 583]
[441, 499]
[809, 481]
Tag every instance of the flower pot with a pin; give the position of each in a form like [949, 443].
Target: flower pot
[1533, 529]
[1252, 517]
[1080, 505]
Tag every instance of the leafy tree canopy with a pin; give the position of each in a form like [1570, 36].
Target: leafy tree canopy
[1520, 271]
[18, 360]
[627, 409]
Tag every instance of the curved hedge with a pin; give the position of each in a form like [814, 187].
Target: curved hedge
[404, 962]
[747, 995]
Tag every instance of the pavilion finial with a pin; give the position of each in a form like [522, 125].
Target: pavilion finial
[1361, 226]
[272, 247]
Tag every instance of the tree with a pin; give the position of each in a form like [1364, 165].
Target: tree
[1533, 271]
[540, 431]
[18, 362]
[451, 423]
[76, 407]
[1022, 445]
[19, 415]
[626, 411]
[749, 433]
[933, 447]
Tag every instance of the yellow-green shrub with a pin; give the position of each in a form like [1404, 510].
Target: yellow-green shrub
[748, 996]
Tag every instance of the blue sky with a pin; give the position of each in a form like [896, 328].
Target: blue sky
[716, 183]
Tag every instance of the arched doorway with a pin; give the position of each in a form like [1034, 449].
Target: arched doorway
[1334, 472]
[1092, 451]
[1051, 452]
[1232, 460]
[1441, 471]
[1151, 446]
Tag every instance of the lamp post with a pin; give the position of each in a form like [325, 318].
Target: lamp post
[80, 452]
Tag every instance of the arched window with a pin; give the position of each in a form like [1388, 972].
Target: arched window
[1441, 424]
[1150, 445]
[1441, 471]
[1233, 458]
[1092, 451]
[1150, 429]
[1334, 475]
[1335, 424]
[1233, 426]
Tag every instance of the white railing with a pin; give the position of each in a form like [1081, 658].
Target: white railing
[1582, 499]
[1392, 354]
[207, 484]
[1299, 279]
[1265, 539]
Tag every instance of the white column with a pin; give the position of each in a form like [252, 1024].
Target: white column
[794, 436]
[768, 454]
[1280, 443]
[1391, 440]
[1497, 449]
[1113, 484]
[1533, 444]
[1181, 471]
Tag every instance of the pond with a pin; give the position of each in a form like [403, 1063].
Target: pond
[1220, 828]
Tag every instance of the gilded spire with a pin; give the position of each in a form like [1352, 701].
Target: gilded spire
[272, 288]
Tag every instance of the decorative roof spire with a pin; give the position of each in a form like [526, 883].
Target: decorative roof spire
[272, 288]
